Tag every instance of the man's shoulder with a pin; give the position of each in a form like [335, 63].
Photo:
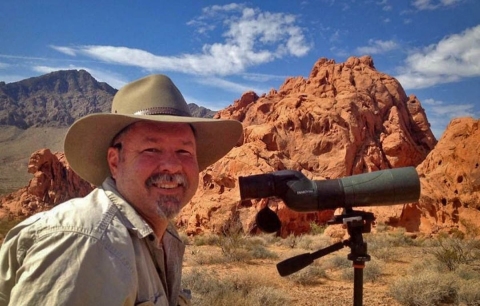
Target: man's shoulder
[83, 215]
[90, 207]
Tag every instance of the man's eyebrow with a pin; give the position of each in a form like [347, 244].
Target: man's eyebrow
[156, 140]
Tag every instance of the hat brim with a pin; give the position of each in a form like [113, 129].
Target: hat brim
[88, 139]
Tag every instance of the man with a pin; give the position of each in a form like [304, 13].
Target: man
[116, 246]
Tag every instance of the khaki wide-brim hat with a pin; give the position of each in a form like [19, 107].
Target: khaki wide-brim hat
[153, 98]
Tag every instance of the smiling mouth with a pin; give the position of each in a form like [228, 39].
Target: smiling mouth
[167, 185]
[167, 181]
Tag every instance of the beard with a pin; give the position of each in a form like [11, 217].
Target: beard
[168, 206]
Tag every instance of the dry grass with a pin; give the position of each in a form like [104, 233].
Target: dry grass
[241, 270]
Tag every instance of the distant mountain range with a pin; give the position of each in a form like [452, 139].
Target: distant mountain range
[59, 98]
[35, 113]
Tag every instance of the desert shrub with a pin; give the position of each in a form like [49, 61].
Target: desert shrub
[391, 239]
[258, 251]
[304, 242]
[386, 253]
[466, 272]
[238, 247]
[338, 262]
[208, 288]
[312, 243]
[425, 288]
[233, 249]
[456, 233]
[207, 239]
[232, 241]
[208, 258]
[270, 239]
[316, 229]
[256, 240]
[452, 252]
[382, 227]
[290, 241]
[267, 296]
[371, 272]
[469, 293]
[309, 275]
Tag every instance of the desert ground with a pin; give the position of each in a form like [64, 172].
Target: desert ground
[403, 270]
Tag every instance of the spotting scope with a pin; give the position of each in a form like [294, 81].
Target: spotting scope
[378, 188]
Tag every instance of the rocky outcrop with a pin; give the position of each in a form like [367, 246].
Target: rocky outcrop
[344, 119]
[53, 182]
[450, 178]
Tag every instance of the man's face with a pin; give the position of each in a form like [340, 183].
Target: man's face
[156, 168]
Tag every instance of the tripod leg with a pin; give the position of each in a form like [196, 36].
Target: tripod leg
[358, 283]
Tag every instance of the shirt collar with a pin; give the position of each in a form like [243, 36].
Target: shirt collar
[135, 221]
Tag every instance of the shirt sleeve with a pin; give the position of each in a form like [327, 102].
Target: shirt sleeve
[66, 268]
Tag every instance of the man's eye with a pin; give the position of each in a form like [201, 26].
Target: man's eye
[150, 150]
[184, 152]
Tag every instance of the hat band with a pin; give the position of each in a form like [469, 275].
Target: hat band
[163, 111]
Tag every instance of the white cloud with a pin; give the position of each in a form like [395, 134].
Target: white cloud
[454, 57]
[230, 86]
[377, 47]
[440, 114]
[433, 4]
[385, 5]
[4, 65]
[102, 76]
[251, 37]
[449, 110]
[260, 77]
[65, 50]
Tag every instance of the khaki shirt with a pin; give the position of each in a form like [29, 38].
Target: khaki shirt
[94, 250]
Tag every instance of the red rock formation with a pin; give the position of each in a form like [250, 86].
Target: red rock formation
[53, 182]
[450, 178]
[344, 119]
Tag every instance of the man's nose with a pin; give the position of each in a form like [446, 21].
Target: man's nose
[169, 162]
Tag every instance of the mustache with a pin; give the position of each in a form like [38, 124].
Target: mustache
[177, 178]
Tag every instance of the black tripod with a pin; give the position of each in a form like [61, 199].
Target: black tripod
[357, 223]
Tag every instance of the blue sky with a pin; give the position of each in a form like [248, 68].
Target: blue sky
[216, 50]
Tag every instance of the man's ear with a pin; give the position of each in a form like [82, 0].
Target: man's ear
[113, 156]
